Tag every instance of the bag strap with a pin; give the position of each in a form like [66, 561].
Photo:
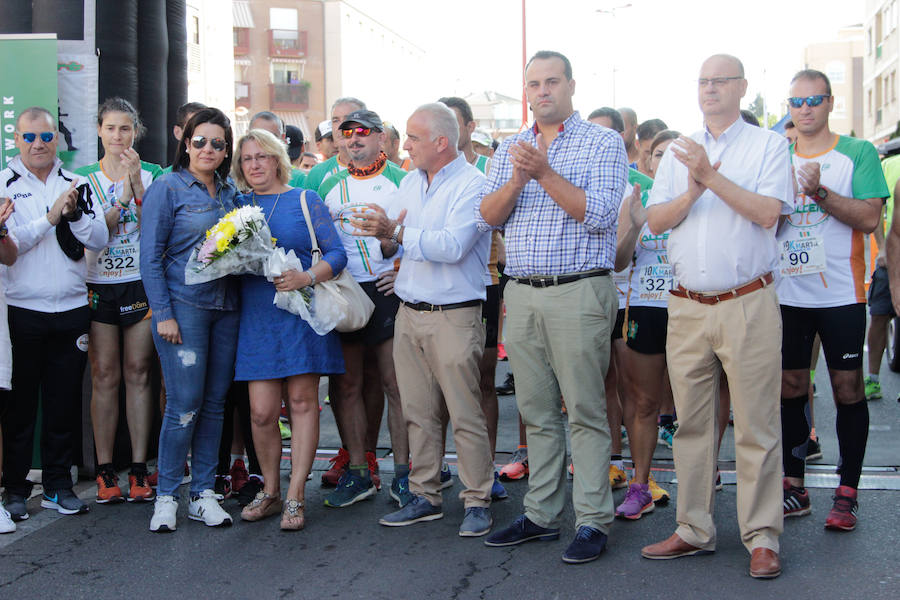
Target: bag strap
[316, 252]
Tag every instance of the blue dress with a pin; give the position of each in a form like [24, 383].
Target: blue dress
[273, 343]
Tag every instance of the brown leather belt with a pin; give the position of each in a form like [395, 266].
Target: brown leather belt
[757, 284]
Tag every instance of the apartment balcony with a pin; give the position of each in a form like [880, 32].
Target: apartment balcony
[287, 42]
[242, 94]
[289, 96]
[241, 41]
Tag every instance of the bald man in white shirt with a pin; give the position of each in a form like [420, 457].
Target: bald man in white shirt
[721, 192]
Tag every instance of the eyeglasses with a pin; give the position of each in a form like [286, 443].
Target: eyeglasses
[46, 137]
[360, 131]
[256, 158]
[199, 142]
[716, 82]
[797, 102]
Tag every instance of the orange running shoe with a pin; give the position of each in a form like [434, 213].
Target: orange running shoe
[108, 491]
[139, 489]
[339, 465]
[517, 467]
[373, 469]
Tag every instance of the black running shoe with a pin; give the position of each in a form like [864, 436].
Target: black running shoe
[508, 387]
[249, 490]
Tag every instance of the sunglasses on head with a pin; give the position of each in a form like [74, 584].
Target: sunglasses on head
[797, 102]
[46, 137]
[199, 142]
[360, 131]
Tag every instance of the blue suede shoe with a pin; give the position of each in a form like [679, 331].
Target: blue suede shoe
[587, 546]
[521, 530]
[417, 510]
[498, 492]
[477, 522]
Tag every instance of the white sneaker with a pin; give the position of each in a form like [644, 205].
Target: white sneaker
[206, 508]
[164, 511]
[6, 522]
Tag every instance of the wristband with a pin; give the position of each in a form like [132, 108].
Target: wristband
[312, 277]
[4, 231]
[138, 201]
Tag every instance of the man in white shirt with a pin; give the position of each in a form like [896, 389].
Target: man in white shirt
[721, 192]
[438, 335]
[48, 313]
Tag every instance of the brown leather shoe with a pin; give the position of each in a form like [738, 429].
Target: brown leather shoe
[764, 564]
[674, 547]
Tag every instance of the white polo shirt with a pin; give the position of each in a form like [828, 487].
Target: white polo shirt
[714, 248]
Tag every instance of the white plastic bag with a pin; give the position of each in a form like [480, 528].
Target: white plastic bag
[318, 309]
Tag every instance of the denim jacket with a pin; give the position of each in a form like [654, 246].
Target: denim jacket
[177, 212]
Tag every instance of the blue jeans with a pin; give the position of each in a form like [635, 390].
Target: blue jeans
[197, 374]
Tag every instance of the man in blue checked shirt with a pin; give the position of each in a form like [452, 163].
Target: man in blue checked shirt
[555, 190]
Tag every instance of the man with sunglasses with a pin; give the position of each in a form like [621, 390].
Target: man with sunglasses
[337, 163]
[721, 192]
[840, 197]
[48, 313]
[370, 179]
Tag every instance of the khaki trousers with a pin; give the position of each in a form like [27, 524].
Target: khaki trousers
[743, 337]
[558, 343]
[436, 356]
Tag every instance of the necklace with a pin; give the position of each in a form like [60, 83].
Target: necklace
[272, 212]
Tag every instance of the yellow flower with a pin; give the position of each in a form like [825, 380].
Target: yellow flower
[228, 230]
[222, 243]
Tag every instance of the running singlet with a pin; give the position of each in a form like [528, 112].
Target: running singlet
[343, 194]
[651, 275]
[119, 262]
[621, 278]
[823, 261]
[319, 173]
[492, 274]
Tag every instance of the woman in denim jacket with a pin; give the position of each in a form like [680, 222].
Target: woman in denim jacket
[194, 326]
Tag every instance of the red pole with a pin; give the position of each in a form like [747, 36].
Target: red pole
[524, 58]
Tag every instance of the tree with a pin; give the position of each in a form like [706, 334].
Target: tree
[757, 106]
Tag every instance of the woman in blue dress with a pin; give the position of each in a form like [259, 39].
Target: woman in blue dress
[278, 350]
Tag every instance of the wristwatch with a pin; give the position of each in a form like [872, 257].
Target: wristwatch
[312, 277]
[821, 193]
[395, 237]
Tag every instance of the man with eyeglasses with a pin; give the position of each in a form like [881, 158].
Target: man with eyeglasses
[840, 198]
[721, 192]
[370, 179]
[48, 313]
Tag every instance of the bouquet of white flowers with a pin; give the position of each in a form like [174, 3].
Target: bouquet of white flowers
[239, 243]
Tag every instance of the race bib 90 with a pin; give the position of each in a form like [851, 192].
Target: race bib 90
[802, 256]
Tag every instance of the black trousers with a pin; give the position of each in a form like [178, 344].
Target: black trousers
[49, 353]
[238, 398]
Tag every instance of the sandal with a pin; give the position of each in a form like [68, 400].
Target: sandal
[263, 505]
[293, 519]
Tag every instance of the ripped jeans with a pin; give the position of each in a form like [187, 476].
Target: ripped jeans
[197, 375]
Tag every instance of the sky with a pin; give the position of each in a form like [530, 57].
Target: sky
[652, 49]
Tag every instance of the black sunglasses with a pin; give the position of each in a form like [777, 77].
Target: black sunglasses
[46, 137]
[199, 142]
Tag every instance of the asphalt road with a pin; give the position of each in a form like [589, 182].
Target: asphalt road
[344, 553]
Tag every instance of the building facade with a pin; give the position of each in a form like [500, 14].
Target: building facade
[842, 61]
[210, 70]
[881, 59]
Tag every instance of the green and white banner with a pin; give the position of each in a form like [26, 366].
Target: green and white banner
[27, 78]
